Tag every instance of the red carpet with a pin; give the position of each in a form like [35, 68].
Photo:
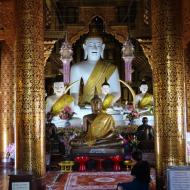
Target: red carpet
[95, 180]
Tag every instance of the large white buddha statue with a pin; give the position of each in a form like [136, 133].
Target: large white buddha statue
[93, 72]
[56, 103]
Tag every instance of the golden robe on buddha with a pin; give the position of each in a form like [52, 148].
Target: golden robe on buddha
[101, 71]
[107, 102]
[146, 101]
[61, 103]
[100, 128]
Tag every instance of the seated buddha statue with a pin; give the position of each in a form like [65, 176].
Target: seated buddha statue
[94, 71]
[144, 101]
[99, 129]
[107, 98]
[56, 103]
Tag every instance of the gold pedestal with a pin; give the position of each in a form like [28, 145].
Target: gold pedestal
[66, 166]
[128, 164]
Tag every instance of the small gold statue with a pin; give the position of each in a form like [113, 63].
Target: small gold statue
[99, 128]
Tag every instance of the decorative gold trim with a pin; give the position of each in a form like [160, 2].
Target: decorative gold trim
[48, 46]
[130, 89]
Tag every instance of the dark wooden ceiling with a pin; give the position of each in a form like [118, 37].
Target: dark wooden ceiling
[95, 2]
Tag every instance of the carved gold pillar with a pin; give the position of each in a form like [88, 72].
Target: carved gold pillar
[169, 92]
[30, 88]
[7, 76]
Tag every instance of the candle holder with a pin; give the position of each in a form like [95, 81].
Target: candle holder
[116, 159]
[82, 160]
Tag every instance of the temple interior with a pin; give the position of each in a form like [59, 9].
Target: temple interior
[87, 84]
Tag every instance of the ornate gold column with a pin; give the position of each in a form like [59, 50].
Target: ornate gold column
[186, 44]
[169, 92]
[7, 76]
[30, 134]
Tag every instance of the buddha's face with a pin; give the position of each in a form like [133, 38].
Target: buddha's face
[59, 88]
[143, 88]
[93, 48]
[96, 105]
[105, 89]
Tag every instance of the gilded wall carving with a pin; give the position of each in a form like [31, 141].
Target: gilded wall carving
[48, 46]
[7, 99]
[30, 88]
[147, 49]
[186, 46]
[169, 91]
[7, 114]
[187, 80]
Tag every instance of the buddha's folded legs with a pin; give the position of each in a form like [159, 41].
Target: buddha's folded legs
[103, 143]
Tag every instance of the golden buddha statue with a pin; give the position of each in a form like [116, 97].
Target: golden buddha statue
[98, 129]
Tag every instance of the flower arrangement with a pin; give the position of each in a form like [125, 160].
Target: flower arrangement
[131, 143]
[133, 115]
[67, 113]
[10, 151]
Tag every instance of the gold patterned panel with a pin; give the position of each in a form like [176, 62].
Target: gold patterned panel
[169, 91]
[6, 99]
[147, 49]
[48, 46]
[186, 45]
[30, 88]
[119, 32]
[187, 80]
[7, 34]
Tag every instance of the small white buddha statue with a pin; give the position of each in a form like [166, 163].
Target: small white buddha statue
[56, 103]
[107, 98]
[94, 71]
[144, 101]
